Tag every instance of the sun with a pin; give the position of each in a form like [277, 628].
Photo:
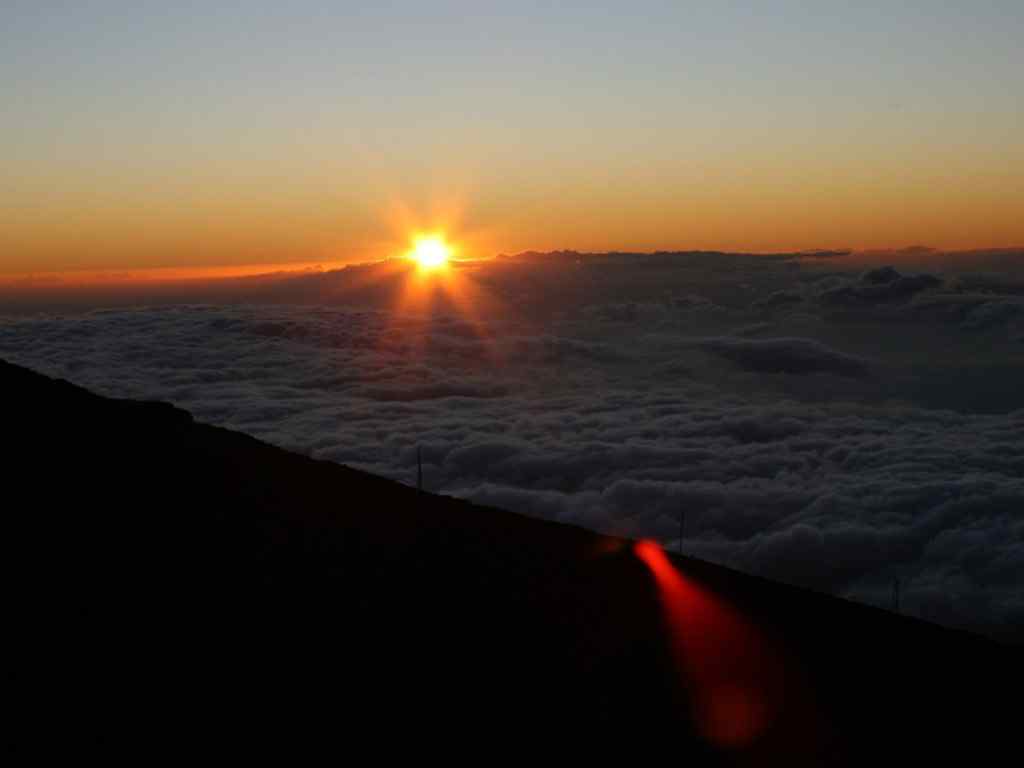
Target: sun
[430, 251]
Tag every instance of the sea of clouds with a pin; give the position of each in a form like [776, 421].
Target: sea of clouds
[828, 424]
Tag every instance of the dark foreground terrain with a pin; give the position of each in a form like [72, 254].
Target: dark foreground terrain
[177, 586]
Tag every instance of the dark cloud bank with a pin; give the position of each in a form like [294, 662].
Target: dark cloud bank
[827, 425]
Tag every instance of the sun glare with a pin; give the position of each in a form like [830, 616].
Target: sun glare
[430, 252]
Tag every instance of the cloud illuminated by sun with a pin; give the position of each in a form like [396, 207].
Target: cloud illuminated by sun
[430, 251]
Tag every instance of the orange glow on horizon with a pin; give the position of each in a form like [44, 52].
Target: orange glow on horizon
[85, 247]
[157, 275]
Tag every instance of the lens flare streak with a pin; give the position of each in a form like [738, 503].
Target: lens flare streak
[724, 663]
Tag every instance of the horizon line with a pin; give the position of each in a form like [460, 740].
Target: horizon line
[171, 274]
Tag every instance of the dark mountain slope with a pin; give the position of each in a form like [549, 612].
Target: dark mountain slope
[180, 585]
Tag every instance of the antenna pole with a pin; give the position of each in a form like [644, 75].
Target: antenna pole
[682, 528]
[419, 469]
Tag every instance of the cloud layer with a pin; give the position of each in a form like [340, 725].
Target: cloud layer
[798, 445]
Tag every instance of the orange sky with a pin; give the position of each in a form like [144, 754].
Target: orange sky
[182, 236]
[198, 140]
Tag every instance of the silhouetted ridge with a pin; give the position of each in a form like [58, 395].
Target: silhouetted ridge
[196, 586]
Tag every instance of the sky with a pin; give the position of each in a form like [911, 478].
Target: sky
[193, 135]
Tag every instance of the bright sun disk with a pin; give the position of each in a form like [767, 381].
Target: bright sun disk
[430, 252]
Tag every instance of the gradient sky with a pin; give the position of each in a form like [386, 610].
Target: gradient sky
[137, 134]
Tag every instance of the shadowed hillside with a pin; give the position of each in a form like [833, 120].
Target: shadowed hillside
[181, 585]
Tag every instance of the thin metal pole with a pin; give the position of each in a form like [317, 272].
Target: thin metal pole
[419, 469]
[682, 528]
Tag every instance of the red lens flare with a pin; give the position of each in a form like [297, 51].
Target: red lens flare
[721, 657]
